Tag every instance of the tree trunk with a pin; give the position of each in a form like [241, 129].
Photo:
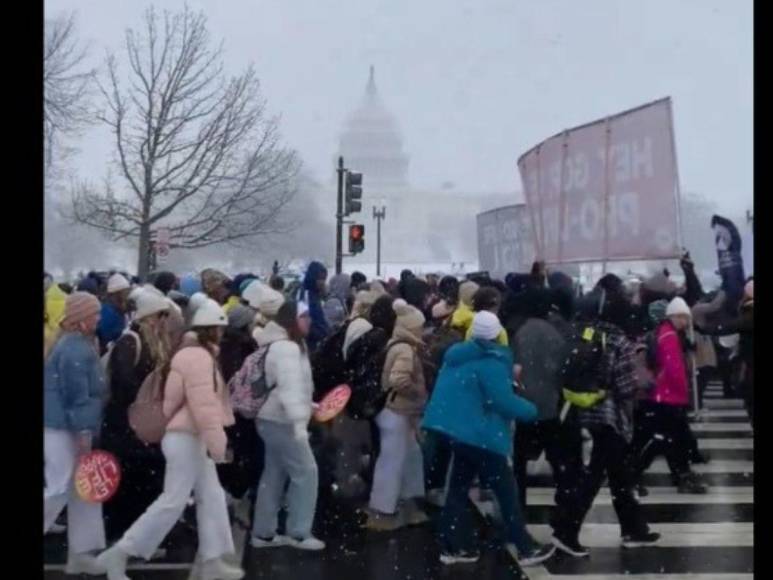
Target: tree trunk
[143, 266]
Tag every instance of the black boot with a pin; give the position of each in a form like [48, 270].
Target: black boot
[690, 483]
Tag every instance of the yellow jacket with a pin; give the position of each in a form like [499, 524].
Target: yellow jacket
[54, 310]
[230, 303]
[462, 319]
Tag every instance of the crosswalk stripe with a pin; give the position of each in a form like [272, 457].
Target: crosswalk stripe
[542, 574]
[672, 535]
[697, 428]
[657, 495]
[726, 443]
[716, 466]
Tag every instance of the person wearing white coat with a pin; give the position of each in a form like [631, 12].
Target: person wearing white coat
[282, 423]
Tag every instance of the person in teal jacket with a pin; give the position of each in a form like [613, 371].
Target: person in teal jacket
[473, 405]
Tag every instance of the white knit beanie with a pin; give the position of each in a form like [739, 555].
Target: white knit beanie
[466, 291]
[149, 303]
[116, 283]
[486, 325]
[409, 317]
[678, 306]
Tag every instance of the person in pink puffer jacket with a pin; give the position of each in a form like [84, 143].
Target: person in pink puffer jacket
[196, 401]
[664, 427]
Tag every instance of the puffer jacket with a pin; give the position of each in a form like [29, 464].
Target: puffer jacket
[403, 374]
[287, 369]
[196, 399]
[473, 401]
[54, 310]
[671, 384]
[74, 388]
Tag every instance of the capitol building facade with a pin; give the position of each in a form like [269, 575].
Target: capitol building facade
[423, 230]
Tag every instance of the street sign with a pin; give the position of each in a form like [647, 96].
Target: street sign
[163, 238]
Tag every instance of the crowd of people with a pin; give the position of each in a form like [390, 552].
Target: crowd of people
[455, 385]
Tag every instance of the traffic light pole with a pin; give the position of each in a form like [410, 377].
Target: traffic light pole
[340, 216]
[378, 216]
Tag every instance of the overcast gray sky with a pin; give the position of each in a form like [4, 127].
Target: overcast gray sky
[475, 83]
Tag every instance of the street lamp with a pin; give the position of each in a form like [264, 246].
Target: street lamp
[378, 216]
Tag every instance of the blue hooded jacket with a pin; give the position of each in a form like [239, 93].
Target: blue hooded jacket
[473, 401]
[310, 295]
[112, 323]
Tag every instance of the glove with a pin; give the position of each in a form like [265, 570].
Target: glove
[300, 432]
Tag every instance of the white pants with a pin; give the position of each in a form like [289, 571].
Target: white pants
[187, 469]
[399, 471]
[85, 528]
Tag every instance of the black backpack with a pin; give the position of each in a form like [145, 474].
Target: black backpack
[328, 367]
[368, 395]
[438, 342]
[583, 369]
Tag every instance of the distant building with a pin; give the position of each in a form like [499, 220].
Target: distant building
[421, 227]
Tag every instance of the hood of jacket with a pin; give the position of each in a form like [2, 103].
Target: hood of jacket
[356, 329]
[340, 287]
[313, 273]
[272, 332]
[400, 333]
[475, 349]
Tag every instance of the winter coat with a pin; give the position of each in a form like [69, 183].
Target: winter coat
[403, 374]
[74, 388]
[619, 368]
[235, 346]
[112, 323]
[462, 318]
[336, 306]
[55, 299]
[356, 329]
[287, 369]
[126, 375]
[671, 384]
[196, 398]
[473, 401]
[230, 303]
[538, 347]
[310, 295]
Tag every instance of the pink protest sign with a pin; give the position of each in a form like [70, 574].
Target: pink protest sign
[333, 403]
[97, 476]
[607, 190]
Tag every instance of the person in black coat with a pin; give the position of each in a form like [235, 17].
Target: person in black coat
[243, 472]
[135, 355]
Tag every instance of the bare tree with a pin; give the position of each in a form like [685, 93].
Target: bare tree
[196, 151]
[66, 84]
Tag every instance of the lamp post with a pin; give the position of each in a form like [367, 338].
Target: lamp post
[378, 216]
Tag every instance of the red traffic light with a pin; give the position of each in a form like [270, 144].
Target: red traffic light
[356, 238]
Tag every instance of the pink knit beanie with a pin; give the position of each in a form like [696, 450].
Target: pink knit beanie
[78, 307]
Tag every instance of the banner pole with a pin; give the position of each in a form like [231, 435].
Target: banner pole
[608, 133]
[677, 186]
[539, 200]
[562, 198]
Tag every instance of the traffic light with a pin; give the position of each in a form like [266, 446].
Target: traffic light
[353, 192]
[356, 238]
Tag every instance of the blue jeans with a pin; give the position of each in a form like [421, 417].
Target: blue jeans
[456, 528]
[285, 457]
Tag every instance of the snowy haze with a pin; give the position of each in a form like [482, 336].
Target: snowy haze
[475, 83]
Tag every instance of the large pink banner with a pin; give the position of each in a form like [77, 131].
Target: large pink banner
[607, 190]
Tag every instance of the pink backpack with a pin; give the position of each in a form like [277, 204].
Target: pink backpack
[248, 387]
[146, 413]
